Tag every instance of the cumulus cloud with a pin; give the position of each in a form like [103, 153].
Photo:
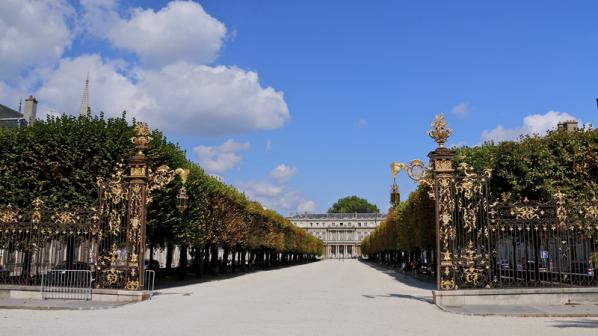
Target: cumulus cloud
[111, 90]
[179, 32]
[306, 207]
[32, 33]
[275, 193]
[532, 124]
[461, 109]
[182, 98]
[218, 159]
[283, 173]
[277, 197]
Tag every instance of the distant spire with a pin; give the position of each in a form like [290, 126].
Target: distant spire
[85, 111]
[20, 103]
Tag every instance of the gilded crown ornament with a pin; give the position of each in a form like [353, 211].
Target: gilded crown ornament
[142, 137]
[439, 132]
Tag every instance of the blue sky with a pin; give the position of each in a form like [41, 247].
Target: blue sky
[299, 103]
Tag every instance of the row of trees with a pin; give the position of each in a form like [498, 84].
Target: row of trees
[60, 159]
[408, 230]
[535, 167]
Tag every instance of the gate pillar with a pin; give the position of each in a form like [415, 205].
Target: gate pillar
[443, 174]
[137, 208]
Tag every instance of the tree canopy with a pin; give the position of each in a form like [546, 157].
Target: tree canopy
[60, 159]
[353, 204]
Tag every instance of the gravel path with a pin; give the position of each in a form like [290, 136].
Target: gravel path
[324, 298]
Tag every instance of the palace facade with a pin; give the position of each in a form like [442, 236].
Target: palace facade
[342, 233]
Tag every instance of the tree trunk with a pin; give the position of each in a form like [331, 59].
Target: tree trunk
[169, 252]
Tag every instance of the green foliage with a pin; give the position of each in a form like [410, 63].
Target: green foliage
[353, 204]
[60, 159]
[537, 167]
[409, 226]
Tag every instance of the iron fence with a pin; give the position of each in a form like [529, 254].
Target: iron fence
[67, 284]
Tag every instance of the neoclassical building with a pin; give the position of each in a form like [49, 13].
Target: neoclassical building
[342, 233]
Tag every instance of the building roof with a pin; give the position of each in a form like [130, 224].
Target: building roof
[338, 216]
[7, 112]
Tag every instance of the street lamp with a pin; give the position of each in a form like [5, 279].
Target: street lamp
[182, 197]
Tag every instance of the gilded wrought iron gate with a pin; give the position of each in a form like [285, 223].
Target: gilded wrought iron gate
[107, 238]
[487, 243]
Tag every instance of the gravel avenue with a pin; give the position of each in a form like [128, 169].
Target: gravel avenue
[331, 297]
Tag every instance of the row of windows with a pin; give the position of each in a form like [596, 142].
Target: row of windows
[334, 224]
[340, 235]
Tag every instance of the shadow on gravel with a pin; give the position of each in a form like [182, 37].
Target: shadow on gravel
[577, 324]
[403, 278]
[175, 280]
[402, 296]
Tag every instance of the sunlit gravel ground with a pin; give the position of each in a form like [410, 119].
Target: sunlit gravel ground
[324, 298]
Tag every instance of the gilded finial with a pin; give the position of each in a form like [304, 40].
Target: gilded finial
[142, 137]
[395, 168]
[439, 132]
[183, 173]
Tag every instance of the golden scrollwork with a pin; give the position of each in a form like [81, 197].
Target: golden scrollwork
[132, 285]
[439, 131]
[65, 217]
[9, 215]
[591, 212]
[138, 171]
[561, 210]
[443, 165]
[526, 212]
[36, 215]
[473, 274]
[114, 222]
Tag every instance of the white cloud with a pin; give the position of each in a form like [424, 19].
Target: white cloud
[205, 100]
[532, 124]
[283, 173]
[268, 148]
[262, 188]
[221, 158]
[182, 98]
[461, 109]
[274, 194]
[32, 33]
[308, 206]
[111, 90]
[180, 32]
[277, 197]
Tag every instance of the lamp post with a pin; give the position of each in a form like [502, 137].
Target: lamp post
[182, 197]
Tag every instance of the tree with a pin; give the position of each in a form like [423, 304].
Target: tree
[353, 204]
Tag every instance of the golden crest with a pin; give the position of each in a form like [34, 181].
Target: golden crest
[439, 132]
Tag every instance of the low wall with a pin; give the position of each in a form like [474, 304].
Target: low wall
[518, 296]
[104, 295]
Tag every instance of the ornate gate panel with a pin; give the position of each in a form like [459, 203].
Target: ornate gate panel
[487, 243]
[107, 238]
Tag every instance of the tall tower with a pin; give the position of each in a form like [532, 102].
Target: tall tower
[85, 110]
[395, 195]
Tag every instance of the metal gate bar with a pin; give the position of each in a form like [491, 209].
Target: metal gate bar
[67, 285]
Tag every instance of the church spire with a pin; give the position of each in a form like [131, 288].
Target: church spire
[85, 110]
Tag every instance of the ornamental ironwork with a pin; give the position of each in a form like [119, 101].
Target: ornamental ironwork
[484, 242]
[107, 237]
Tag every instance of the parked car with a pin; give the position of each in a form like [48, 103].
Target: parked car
[151, 264]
